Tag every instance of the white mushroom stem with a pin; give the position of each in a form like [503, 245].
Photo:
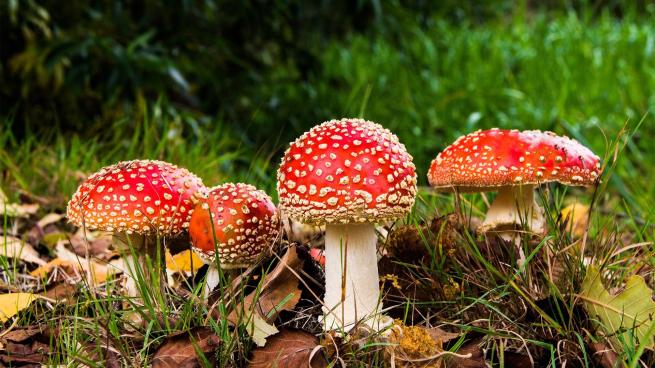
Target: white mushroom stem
[212, 279]
[513, 207]
[213, 276]
[144, 248]
[352, 292]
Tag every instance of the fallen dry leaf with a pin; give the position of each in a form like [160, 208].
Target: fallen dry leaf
[43, 271]
[260, 330]
[50, 218]
[15, 209]
[181, 266]
[93, 271]
[624, 316]
[96, 244]
[11, 247]
[60, 292]
[12, 303]
[279, 290]
[576, 217]
[181, 350]
[289, 348]
[26, 345]
[604, 356]
[185, 261]
[474, 356]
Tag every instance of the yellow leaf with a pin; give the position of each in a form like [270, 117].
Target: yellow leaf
[11, 304]
[185, 261]
[95, 272]
[576, 215]
[42, 271]
[628, 314]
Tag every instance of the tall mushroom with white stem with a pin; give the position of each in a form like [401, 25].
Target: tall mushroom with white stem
[348, 174]
[235, 223]
[141, 202]
[513, 163]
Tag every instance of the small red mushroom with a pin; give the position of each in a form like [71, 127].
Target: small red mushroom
[348, 174]
[138, 201]
[237, 222]
[512, 162]
[317, 256]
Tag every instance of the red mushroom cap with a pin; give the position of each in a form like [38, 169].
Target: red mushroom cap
[492, 158]
[245, 222]
[140, 196]
[343, 171]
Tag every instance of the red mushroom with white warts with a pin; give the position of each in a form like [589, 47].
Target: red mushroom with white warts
[513, 163]
[236, 223]
[138, 201]
[348, 174]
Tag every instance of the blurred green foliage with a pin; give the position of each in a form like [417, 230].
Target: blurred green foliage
[252, 75]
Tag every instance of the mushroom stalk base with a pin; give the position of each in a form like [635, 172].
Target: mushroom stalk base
[213, 277]
[352, 292]
[145, 263]
[212, 280]
[513, 207]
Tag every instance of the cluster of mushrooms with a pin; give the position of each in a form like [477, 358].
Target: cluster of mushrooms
[346, 174]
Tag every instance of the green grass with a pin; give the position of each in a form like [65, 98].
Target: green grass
[592, 79]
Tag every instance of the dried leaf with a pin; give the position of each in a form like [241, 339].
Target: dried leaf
[12, 303]
[474, 359]
[20, 334]
[50, 218]
[279, 290]
[95, 272]
[289, 348]
[628, 314]
[60, 292]
[17, 210]
[182, 350]
[94, 243]
[576, 216]
[185, 261]
[604, 356]
[11, 247]
[260, 330]
[43, 271]
[27, 345]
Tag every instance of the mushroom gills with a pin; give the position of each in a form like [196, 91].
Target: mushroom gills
[352, 291]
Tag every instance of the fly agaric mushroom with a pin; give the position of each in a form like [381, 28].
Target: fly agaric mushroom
[348, 174]
[237, 223]
[138, 201]
[513, 163]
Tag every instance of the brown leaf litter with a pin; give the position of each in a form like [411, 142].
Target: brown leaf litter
[183, 349]
[290, 348]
